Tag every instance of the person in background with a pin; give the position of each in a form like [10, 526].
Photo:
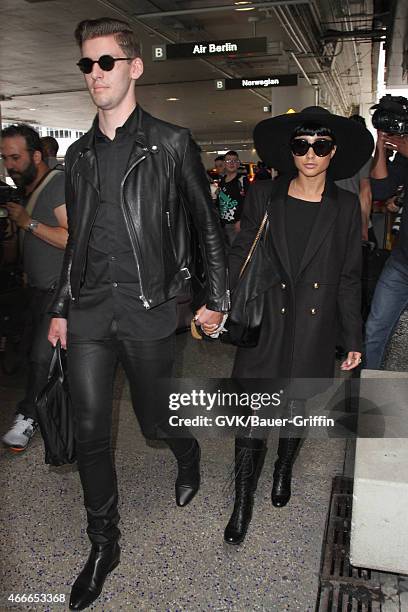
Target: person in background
[219, 165]
[262, 173]
[50, 147]
[391, 292]
[359, 184]
[231, 197]
[42, 223]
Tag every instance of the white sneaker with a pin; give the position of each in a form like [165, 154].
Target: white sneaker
[18, 437]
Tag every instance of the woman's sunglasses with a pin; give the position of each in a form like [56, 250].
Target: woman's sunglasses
[322, 147]
[105, 62]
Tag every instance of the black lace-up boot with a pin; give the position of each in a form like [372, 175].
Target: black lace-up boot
[249, 456]
[282, 475]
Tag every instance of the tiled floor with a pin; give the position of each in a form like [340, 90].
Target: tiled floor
[173, 559]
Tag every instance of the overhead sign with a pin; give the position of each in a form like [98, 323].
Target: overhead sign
[212, 48]
[279, 80]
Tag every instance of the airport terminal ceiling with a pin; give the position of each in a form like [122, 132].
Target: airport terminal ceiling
[331, 45]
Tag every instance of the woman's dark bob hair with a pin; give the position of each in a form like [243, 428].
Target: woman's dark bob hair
[310, 128]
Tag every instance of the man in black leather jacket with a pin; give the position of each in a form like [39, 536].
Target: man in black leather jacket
[132, 184]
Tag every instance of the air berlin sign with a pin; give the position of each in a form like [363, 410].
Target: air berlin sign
[278, 80]
[211, 48]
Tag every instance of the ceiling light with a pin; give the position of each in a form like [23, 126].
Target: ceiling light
[244, 8]
[32, 109]
[172, 99]
[238, 121]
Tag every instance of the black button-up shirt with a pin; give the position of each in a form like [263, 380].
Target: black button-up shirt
[111, 290]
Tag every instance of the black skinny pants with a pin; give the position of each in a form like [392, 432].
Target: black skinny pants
[91, 370]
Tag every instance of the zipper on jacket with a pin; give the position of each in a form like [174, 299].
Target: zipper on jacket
[127, 218]
[173, 246]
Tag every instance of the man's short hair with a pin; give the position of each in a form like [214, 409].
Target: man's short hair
[32, 138]
[121, 30]
[50, 145]
[231, 153]
[220, 158]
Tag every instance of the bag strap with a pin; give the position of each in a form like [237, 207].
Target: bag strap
[254, 244]
[32, 200]
[56, 363]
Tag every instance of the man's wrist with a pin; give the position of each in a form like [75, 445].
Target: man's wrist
[32, 225]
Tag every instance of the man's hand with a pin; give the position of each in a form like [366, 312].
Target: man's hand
[209, 320]
[18, 214]
[391, 206]
[58, 331]
[353, 360]
[399, 143]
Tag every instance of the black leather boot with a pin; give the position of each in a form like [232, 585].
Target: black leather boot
[282, 475]
[249, 456]
[88, 586]
[188, 477]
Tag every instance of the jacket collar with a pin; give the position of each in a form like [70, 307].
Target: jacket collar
[87, 161]
[325, 219]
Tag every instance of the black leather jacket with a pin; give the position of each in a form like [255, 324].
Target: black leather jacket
[164, 186]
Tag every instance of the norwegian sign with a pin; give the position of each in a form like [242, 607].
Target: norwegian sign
[279, 80]
[212, 48]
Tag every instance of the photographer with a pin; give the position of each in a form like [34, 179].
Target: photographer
[391, 293]
[42, 222]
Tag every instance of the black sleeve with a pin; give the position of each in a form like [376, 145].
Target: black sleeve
[349, 292]
[60, 306]
[197, 197]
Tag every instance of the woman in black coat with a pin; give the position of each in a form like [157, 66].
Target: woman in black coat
[311, 275]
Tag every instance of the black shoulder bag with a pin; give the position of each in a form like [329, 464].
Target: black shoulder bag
[244, 321]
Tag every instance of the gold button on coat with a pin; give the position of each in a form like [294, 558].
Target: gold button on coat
[283, 285]
[316, 285]
[313, 311]
[283, 310]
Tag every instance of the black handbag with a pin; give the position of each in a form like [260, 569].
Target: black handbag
[245, 319]
[54, 413]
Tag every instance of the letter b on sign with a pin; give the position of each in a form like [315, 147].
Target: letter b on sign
[159, 52]
[220, 84]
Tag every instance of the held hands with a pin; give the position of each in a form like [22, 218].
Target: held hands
[58, 331]
[353, 360]
[18, 214]
[209, 320]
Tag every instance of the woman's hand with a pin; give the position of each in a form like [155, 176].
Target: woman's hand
[209, 320]
[353, 360]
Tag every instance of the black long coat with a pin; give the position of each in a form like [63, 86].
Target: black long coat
[302, 315]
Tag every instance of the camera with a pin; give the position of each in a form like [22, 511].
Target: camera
[10, 194]
[391, 115]
[7, 194]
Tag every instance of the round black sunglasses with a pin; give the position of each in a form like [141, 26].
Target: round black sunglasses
[322, 147]
[105, 62]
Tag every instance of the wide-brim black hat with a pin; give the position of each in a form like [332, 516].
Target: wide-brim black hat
[354, 142]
